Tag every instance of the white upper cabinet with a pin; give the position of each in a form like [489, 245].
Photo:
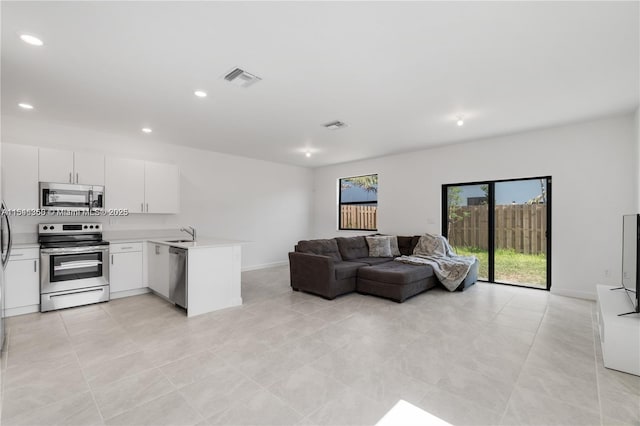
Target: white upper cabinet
[89, 168]
[136, 185]
[56, 166]
[162, 186]
[20, 176]
[71, 167]
[124, 184]
[142, 186]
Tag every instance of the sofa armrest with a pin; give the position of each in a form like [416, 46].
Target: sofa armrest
[311, 272]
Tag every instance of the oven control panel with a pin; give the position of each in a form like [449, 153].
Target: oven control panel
[69, 228]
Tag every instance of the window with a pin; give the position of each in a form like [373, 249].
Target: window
[358, 204]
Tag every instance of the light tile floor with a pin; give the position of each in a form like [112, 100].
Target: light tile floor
[491, 355]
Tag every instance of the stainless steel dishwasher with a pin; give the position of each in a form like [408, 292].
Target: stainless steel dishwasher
[178, 276]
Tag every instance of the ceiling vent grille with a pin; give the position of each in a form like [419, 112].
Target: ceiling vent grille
[241, 78]
[335, 125]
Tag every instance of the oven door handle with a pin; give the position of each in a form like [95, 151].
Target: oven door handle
[74, 250]
[77, 265]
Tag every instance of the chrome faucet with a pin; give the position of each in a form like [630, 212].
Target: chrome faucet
[191, 231]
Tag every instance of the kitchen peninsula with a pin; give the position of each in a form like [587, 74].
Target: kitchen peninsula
[201, 276]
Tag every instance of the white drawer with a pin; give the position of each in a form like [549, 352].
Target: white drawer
[24, 254]
[125, 247]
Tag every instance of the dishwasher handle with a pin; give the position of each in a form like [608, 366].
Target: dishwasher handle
[178, 251]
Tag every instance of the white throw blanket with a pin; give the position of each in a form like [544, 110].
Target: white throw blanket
[435, 251]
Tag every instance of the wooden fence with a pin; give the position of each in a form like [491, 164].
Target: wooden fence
[518, 227]
[358, 217]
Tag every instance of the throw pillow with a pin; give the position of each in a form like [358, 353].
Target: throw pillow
[393, 242]
[379, 246]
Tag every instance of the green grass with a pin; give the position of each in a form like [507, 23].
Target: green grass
[511, 267]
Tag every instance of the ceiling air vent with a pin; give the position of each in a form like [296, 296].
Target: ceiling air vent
[241, 78]
[335, 125]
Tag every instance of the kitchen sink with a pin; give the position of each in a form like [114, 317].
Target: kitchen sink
[179, 241]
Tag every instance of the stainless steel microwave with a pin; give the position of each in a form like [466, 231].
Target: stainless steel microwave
[70, 197]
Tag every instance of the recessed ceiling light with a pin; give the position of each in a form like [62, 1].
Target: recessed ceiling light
[32, 40]
[335, 125]
[307, 154]
[147, 130]
[200, 93]
[459, 120]
[25, 106]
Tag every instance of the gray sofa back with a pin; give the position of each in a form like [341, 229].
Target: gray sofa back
[407, 244]
[352, 247]
[320, 247]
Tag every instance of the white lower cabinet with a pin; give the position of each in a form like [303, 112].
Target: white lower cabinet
[22, 278]
[125, 267]
[158, 264]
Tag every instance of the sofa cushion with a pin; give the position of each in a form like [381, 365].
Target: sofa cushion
[352, 247]
[347, 269]
[395, 273]
[373, 260]
[393, 242]
[379, 246]
[322, 247]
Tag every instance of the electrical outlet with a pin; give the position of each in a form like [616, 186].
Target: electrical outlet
[607, 273]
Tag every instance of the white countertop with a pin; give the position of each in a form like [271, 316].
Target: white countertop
[134, 235]
[206, 242]
[160, 236]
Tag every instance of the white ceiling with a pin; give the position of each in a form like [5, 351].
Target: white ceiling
[396, 73]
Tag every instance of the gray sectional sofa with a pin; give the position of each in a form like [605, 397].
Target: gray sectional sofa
[337, 266]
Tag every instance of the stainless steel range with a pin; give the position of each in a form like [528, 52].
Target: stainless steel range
[74, 269]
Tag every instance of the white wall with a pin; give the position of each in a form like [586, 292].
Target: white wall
[637, 129]
[593, 166]
[221, 195]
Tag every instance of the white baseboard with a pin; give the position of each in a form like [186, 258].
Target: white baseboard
[12, 312]
[574, 293]
[264, 265]
[127, 293]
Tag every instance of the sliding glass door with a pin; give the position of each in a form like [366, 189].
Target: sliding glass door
[506, 225]
[468, 223]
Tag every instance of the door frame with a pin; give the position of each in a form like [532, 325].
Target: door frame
[491, 224]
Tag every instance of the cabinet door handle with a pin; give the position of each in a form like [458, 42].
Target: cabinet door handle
[142, 207]
[70, 177]
[147, 207]
[77, 178]
[35, 266]
[112, 259]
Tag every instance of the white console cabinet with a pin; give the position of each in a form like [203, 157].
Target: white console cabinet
[619, 335]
